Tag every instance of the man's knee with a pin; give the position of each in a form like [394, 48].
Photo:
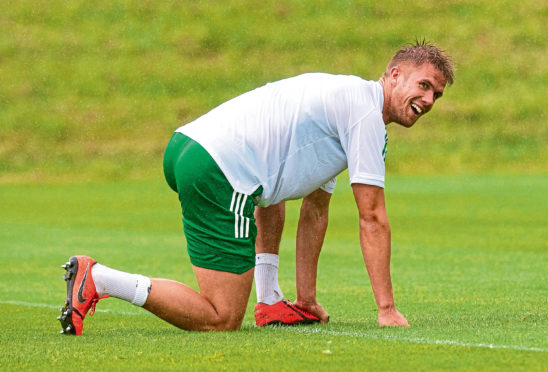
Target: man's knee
[226, 322]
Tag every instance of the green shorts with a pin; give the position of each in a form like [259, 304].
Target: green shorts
[218, 222]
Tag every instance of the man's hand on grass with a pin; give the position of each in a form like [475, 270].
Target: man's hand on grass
[392, 318]
[313, 308]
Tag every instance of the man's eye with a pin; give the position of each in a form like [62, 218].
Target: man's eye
[423, 85]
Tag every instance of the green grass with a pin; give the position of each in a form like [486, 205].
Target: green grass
[469, 270]
[95, 89]
[89, 97]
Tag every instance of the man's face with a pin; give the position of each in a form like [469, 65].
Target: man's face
[414, 91]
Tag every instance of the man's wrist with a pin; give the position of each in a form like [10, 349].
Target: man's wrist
[387, 307]
[306, 300]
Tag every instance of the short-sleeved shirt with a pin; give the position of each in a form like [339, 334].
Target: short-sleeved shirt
[295, 135]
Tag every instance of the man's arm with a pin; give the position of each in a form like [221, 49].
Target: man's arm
[310, 236]
[375, 245]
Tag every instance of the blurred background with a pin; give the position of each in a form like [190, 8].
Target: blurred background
[93, 90]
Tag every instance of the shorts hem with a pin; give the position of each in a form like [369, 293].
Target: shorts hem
[225, 268]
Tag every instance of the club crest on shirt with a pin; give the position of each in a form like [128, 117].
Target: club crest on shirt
[385, 147]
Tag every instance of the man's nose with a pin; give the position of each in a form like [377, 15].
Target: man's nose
[428, 99]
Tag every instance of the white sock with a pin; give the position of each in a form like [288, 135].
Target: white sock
[133, 288]
[266, 278]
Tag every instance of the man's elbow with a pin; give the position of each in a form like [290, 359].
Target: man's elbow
[316, 214]
[372, 222]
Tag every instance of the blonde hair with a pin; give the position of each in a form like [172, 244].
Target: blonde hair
[424, 52]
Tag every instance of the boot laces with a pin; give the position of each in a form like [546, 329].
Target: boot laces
[94, 301]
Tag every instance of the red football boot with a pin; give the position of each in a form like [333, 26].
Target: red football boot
[282, 313]
[81, 294]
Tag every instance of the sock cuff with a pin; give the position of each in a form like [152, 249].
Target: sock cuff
[141, 291]
[267, 259]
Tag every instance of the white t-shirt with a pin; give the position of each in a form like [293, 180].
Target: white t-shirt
[295, 135]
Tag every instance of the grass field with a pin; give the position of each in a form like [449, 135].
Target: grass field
[469, 270]
[91, 91]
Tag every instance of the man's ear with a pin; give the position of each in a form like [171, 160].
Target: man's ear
[394, 74]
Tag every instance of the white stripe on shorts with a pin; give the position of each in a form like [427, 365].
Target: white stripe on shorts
[241, 223]
[232, 202]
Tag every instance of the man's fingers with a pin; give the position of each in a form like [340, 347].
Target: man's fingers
[316, 310]
[392, 319]
[323, 315]
[320, 313]
[393, 324]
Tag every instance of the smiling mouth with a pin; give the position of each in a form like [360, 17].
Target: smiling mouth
[416, 109]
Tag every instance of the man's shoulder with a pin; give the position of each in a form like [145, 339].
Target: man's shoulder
[352, 83]
[325, 82]
[330, 77]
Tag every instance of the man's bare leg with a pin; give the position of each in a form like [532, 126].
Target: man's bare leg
[220, 304]
[270, 224]
[270, 308]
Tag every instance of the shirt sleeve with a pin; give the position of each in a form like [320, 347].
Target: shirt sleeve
[366, 148]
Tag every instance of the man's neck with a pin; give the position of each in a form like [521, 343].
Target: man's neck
[385, 92]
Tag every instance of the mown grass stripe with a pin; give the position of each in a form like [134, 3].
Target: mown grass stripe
[412, 339]
[307, 330]
[50, 306]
